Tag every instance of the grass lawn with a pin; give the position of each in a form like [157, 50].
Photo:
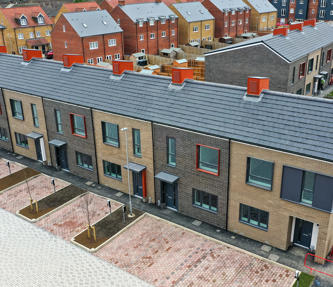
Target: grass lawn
[305, 280]
[329, 96]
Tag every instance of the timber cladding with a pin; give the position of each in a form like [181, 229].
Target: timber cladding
[189, 177]
[281, 212]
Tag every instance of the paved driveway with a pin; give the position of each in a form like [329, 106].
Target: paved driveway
[14, 167]
[165, 254]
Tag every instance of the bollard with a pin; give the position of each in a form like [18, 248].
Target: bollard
[53, 183]
[36, 205]
[124, 212]
[8, 165]
[94, 232]
[109, 205]
[88, 231]
[31, 207]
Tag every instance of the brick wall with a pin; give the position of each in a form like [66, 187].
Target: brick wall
[189, 177]
[220, 18]
[6, 144]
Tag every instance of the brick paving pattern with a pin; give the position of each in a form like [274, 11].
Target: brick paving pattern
[72, 218]
[14, 167]
[17, 197]
[167, 255]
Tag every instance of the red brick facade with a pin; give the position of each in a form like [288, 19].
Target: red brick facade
[292, 7]
[138, 38]
[230, 24]
[313, 9]
[77, 45]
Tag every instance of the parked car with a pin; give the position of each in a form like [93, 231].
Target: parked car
[227, 40]
[49, 55]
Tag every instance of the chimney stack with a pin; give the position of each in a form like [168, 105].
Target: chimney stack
[121, 2]
[3, 49]
[297, 26]
[311, 22]
[281, 31]
[179, 75]
[119, 66]
[70, 59]
[255, 85]
[28, 54]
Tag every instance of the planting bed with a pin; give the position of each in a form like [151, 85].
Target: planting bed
[52, 201]
[106, 228]
[17, 177]
[14, 167]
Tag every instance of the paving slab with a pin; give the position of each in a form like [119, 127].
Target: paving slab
[196, 222]
[273, 257]
[266, 248]
[14, 167]
[32, 257]
[165, 254]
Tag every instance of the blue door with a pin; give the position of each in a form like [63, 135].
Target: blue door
[303, 232]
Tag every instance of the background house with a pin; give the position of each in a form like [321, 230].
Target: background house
[93, 34]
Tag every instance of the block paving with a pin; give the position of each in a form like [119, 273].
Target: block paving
[14, 167]
[18, 197]
[164, 254]
[70, 220]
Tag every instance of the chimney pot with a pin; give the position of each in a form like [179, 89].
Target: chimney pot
[281, 31]
[28, 54]
[3, 49]
[255, 85]
[310, 22]
[297, 26]
[70, 59]
[179, 75]
[119, 66]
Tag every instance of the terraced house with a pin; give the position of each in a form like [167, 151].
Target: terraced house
[297, 59]
[25, 27]
[254, 161]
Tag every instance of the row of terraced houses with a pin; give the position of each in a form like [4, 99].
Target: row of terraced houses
[256, 162]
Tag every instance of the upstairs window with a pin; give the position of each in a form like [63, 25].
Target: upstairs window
[308, 187]
[207, 27]
[195, 28]
[171, 151]
[58, 121]
[259, 173]
[23, 21]
[208, 159]
[40, 19]
[110, 134]
[163, 34]
[301, 71]
[20, 36]
[310, 65]
[78, 124]
[137, 142]
[151, 22]
[37, 34]
[31, 35]
[17, 111]
[112, 42]
[93, 45]
[35, 115]
[329, 55]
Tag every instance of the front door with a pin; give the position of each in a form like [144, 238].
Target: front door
[303, 232]
[137, 184]
[169, 194]
[38, 150]
[61, 156]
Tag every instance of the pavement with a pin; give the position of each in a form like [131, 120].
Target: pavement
[32, 257]
[293, 258]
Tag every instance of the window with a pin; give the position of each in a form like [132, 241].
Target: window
[171, 151]
[3, 134]
[195, 28]
[151, 22]
[322, 13]
[93, 45]
[323, 3]
[35, 115]
[140, 23]
[23, 21]
[143, 51]
[259, 173]
[163, 34]
[272, 17]
[58, 121]
[317, 61]
[142, 37]
[78, 124]
[99, 59]
[63, 28]
[233, 23]
[240, 22]
[310, 66]
[300, 11]
[291, 11]
[136, 142]
[152, 35]
[162, 20]
[263, 19]
[209, 38]
[40, 19]
[108, 57]
[37, 34]
[172, 19]
[204, 200]
[112, 42]
[110, 134]
[253, 216]
[90, 61]
[308, 88]
[84, 160]
[284, 2]
[329, 55]
[301, 70]
[65, 44]
[247, 20]
[21, 49]
[208, 159]
[226, 24]
[207, 27]
[308, 187]
[17, 111]
[299, 92]
[283, 12]
[116, 56]
[31, 35]
[20, 36]
[21, 140]
[111, 169]
[173, 32]
[47, 33]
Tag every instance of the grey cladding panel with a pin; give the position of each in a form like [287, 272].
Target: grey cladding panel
[323, 194]
[291, 183]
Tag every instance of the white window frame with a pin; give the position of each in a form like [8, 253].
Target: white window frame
[93, 45]
[163, 34]
[117, 56]
[151, 22]
[108, 57]
[195, 29]
[207, 27]
[63, 28]
[23, 21]
[99, 59]
[20, 36]
[40, 19]
[141, 37]
[31, 35]
[173, 32]
[47, 33]
[65, 43]
[152, 36]
[38, 34]
[112, 42]
[90, 61]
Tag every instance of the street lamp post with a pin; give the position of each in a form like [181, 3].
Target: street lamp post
[128, 172]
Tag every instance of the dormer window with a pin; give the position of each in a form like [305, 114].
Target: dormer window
[23, 21]
[140, 23]
[84, 10]
[40, 19]
[172, 18]
[162, 19]
[151, 22]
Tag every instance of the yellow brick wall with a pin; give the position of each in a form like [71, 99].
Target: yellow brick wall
[309, 77]
[208, 33]
[118, 155]
[62, 10]
[26, 126]
[183, 28]
[280, 211]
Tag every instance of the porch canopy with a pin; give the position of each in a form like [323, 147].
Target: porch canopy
[166, 177]
[37, 42]
[34, 135]
[135, 167]
[57, 143]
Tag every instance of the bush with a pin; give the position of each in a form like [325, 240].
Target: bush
[305, 280]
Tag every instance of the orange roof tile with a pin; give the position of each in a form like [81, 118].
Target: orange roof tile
[114, 3]
[28, 11]
[76, 7]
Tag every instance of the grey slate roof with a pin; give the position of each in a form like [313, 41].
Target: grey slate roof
[296, 45]
[92, 23]
[226, 5]
[193, 11]
[262, 6]
[292, 123]
[147, 10]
